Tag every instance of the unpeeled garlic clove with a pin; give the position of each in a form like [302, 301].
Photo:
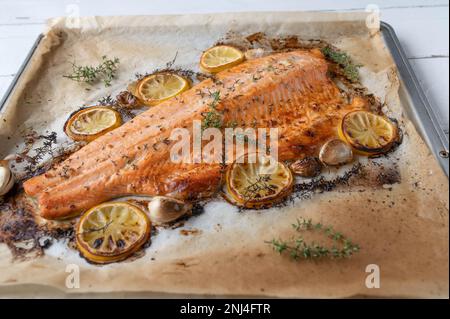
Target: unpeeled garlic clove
[6, 176]
[127, 100]
[8, 186]
[164, 210]
[307, 167]
[336, 152]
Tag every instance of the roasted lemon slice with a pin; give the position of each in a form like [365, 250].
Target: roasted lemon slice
[259, 183]
[230, 198]
[219, 58]
[368, 133]
[90, 123]
[111, 232]
[156, 88]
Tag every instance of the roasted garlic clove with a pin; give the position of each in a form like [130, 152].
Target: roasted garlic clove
[307, 167]
[6, 176]
[336, 152]
[127, 100]
[165, 209]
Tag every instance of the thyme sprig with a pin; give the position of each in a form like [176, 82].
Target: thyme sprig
[105, 72]
[350, 69]
[34, 161]
[99, 229]
[213, 118]
[298, 248]
[260, 186]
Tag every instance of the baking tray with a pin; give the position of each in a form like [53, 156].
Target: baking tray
[415, 102]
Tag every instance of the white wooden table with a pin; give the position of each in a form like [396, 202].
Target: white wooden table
[421, 25]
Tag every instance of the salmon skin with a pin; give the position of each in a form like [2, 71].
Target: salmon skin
[290, 91]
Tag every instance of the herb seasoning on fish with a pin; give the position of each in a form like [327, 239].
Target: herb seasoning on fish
[213, 118]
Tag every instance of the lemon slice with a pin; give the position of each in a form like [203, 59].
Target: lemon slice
[260, 183]
[111, 232]
[368, 133]
[219, 58]
[230, 198]
[156, 88]
[92, 122]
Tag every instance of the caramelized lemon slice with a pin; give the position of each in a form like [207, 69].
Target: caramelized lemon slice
[92, 122]
[156, 88]
[260, 184]
[111, 232]
[219, 58]
[368, 133]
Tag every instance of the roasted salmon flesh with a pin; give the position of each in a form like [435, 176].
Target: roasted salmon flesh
[290, 91]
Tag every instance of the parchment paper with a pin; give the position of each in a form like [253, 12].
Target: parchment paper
[402, 228]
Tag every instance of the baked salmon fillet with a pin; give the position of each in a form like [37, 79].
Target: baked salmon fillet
[290, 91]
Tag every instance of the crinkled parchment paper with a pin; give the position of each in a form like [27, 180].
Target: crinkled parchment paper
[402, 228]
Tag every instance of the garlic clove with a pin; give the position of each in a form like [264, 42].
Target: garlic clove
[127, 100]
[10, 157]
[336, 152]
[7, 186]
[164, 210]
[4, 175]
[10, 183]
[307, 167]
[6, 180]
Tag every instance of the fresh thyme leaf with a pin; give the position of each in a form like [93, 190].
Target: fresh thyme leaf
[299, 248]
[171, 63]
[107, 100]
[105, 72]
[213, 118]
[350, 69]
[216, 99]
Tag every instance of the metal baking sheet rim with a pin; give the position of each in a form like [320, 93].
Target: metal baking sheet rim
[420, 112]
